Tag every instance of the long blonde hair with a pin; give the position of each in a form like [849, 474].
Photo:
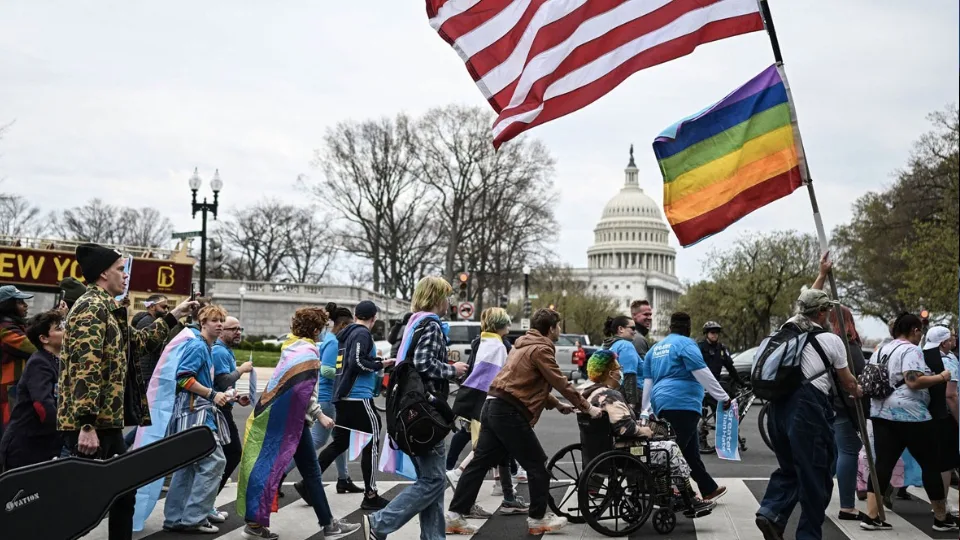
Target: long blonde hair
[429, 293]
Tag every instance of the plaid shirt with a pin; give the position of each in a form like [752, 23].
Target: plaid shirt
[430, 357]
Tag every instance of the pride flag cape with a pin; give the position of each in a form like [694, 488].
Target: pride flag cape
[161, 392]
[730, 159]
[274, 429]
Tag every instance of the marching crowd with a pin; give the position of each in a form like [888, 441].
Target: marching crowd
[89, 371]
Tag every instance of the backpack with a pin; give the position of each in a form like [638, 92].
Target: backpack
[875, 379]
[777, 372]
[416, 419]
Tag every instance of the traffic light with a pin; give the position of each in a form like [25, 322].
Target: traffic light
[216, 255]
[553, 307]
[924, 317]
[464, 279]
[527, 308]
[504, 301]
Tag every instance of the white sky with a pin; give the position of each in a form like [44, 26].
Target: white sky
[122, 99]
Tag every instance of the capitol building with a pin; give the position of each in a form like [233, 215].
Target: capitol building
[631, 258]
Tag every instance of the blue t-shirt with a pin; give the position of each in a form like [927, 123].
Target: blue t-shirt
[224, 362]
[366, 380]
[329, 348]
[629, 360]
[670, 364]
[197, 361]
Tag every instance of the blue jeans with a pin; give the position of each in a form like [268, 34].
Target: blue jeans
[800, 428]
[193, 491]
[320, 437]
[848, 451]
[424, 497]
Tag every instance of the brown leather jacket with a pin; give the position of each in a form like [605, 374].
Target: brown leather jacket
[530, 376]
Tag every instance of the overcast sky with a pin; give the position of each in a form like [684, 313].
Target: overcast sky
[121, 100]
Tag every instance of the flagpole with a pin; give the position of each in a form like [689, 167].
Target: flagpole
[822, 238]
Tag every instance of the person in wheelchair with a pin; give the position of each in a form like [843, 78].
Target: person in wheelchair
[604, 371]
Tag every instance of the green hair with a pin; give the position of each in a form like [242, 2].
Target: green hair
[600, 363]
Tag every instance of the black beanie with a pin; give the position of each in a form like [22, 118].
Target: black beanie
[94, 260]
[73, 289]
[680, 323]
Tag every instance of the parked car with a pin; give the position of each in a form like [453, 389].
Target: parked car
[743, 361]
[280, 340]
[461, 334]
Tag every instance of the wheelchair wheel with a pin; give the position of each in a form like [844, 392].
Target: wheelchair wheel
[616, 493]
[664, 521]
[706, 430]
[564, 468]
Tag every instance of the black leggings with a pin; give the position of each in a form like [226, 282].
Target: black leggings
[358, 415]
[921, 438]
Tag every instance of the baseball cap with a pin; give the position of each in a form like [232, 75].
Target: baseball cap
[366, 310]
[9, 291]
[812, 299]
[935, 336]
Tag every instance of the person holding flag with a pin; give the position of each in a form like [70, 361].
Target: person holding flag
[279, 430]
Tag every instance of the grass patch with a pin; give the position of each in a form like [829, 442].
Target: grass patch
[260, 358]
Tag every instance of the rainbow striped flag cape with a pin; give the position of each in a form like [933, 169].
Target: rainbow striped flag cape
[161, 394]
[731, 158]
[274, 429]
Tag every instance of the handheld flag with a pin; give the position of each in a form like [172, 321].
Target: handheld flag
[730, 159]
[252, 380]
[394, 461]
[358, 441]
[728, 433]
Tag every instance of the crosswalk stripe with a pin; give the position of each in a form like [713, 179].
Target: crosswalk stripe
[903, 530]
[733, 518]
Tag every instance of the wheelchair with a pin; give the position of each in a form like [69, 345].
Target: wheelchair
[613, 489]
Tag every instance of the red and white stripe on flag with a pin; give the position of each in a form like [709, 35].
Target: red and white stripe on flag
[536, 60]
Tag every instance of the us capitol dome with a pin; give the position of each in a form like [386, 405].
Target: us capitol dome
[631, 258]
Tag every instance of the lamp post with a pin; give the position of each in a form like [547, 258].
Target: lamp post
[526, 292]
[563, 309]
[242, 290]
[216, 184]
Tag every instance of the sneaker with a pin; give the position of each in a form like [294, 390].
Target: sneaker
[453, 477]
[520, 477]
[258, 533]
[550, 523]
[769, 529]
[217, 516]
[948, 524]
[516, 506]
[717, 494]
[204, 528]
[339, 527]
[497, 490]
[368, 533]
[870, 524]
[699, 508]
[457, 524]
[847, 516]
[477, 512]
[374, 503]
[303, 493]
[347, 486]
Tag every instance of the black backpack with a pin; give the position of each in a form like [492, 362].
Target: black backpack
[416, 419]
[875, 379]
[777, 371]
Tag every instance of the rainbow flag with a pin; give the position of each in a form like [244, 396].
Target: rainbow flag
[161, 392]
[274, 429]
[730, 159]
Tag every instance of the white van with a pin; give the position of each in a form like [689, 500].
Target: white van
[461, 334]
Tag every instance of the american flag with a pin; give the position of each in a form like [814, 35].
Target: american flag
[536, 60]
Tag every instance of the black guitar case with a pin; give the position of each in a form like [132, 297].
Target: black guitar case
[66, 498]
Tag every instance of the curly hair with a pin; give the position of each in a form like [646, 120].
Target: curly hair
[600, 363]
[308, 321]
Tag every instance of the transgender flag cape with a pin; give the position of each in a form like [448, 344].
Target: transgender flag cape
[161, 392]
[274, 429]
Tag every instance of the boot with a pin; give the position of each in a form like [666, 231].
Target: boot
[347, 486]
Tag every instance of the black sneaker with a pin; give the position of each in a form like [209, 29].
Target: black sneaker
[258, 533]
[847, 516]
[870, 524]
[302, 491]
[699, 508]
[948, 524]
[347, 486]
[769, 529]
[374, 503]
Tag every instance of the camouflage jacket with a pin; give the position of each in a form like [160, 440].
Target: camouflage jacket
[100, 381]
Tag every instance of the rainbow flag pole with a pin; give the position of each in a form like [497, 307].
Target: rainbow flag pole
[822, 236]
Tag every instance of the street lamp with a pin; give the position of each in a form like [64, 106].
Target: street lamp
[526, 292]
[216, 184]
[563, 309]
[242, 290]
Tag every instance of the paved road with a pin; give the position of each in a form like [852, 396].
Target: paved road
[745, 480]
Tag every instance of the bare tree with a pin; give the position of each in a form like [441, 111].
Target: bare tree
[145, 227]
[310, 248]
[95, 221]
[258, 240]
[20, 218]
[369, 178]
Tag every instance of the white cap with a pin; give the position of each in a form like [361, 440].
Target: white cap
[935, 336]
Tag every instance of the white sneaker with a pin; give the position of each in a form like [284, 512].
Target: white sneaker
[520, 477]
[477, 512]
[453, 477]
[550, 523]
[457, 524]
[217, 517]
[497, 490]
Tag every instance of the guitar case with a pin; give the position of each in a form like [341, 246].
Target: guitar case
[66, 498]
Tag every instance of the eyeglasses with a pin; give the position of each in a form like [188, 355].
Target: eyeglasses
[234, 329]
